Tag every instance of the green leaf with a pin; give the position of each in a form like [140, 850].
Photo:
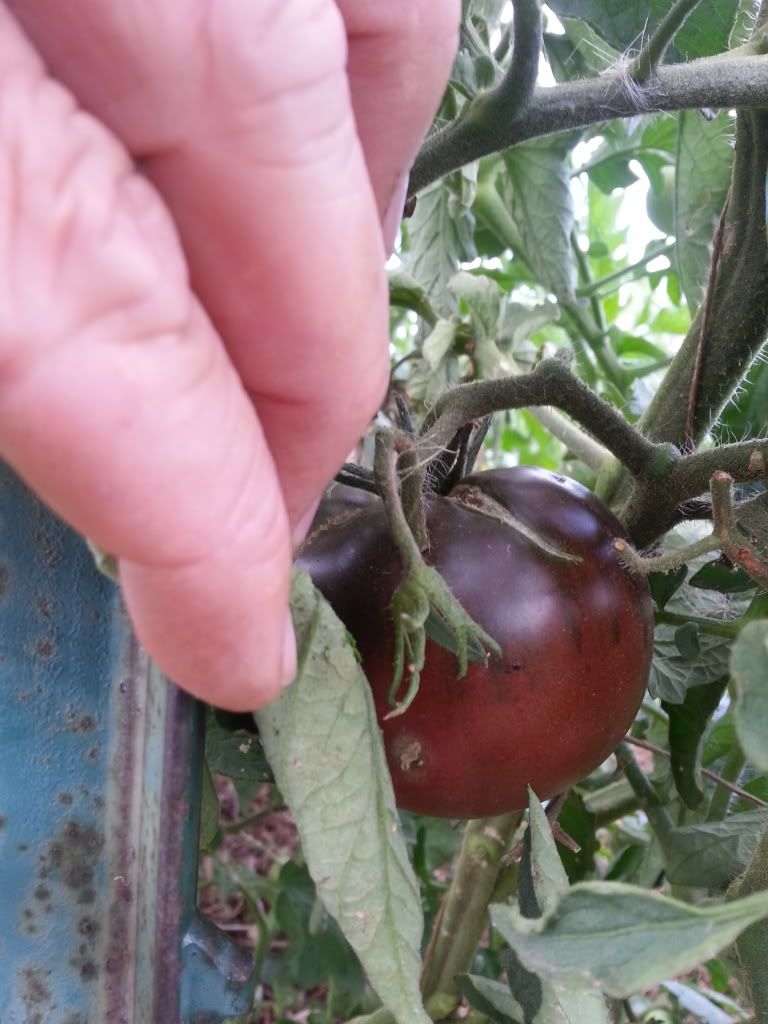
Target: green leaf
[472, 74]
[704, 160]
[549, 878]
[324, 745]
[688, 641]
[537, 190]
[577, 1000]
[406, 292]
[671, 673]
[437, 369]
[482, 297]
[492, 998]
[744, 415]
[716, 576]
[629, 346]
[664, 584]
[316, 948]
[625, 26]
[437, 629]
[440, 234]
[752, 945]
[518, 323]
[687, 725]
[439, 342]
[580, 824]
[238, 755]
[711, 854]
[209, 809]
[621, 937]
[749, 668]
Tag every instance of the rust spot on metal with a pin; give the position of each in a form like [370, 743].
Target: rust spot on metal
[89, 927]
[44, 647]
[93, 753]
[42, 604]
[42, 892]
[65, 798]
[71, 858]
[5, 580]
[34, 986]
[86, 724]
[22, 847]
[49, 549]
[88, 971]
[3, 821]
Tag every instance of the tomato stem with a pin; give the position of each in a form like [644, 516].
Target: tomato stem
[728, 536]
[463, 916]
[421, 591]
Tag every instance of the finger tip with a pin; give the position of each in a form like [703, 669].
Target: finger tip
[231, 646]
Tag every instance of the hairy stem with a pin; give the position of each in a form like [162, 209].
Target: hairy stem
[710, 627]
[463, 916]
[575, 440]
[551, 383]
[653, 806]
[650, 57]
[752, 944]
[516, 87]
[725, 782]
[738, 310]
[723, 81]
[605, 284]
[387, 480]
[721, 798]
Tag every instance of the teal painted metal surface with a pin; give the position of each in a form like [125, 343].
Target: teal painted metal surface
[100, 764]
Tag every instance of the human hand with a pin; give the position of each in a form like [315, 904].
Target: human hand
[187, 354]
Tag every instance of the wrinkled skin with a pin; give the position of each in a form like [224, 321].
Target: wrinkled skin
[576, 639]
[197, 203]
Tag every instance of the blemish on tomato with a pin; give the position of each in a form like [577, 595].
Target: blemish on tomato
[409, 756]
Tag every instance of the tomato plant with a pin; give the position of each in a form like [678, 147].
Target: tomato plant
[530, 236]
[530, 556]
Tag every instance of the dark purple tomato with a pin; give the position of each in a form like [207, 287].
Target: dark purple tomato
[529, 555]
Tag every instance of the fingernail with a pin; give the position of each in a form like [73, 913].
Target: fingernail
[391, 220]
[302, 526]
[288, 667]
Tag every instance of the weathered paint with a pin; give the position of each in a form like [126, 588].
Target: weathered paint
[99, 803]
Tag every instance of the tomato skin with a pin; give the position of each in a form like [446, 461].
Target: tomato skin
[576, 638]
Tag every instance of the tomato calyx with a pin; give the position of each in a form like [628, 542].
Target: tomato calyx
[480, 501]
[422, 594]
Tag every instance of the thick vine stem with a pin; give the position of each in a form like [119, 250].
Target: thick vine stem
[550, 383]
[463, 915]
[727, 536]
[738, 308]
[722, 81]
[752, 944]
[652, 509]
[422, 591]
[664, 479]
[657, 813]
[651, 55]
[514, 91]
